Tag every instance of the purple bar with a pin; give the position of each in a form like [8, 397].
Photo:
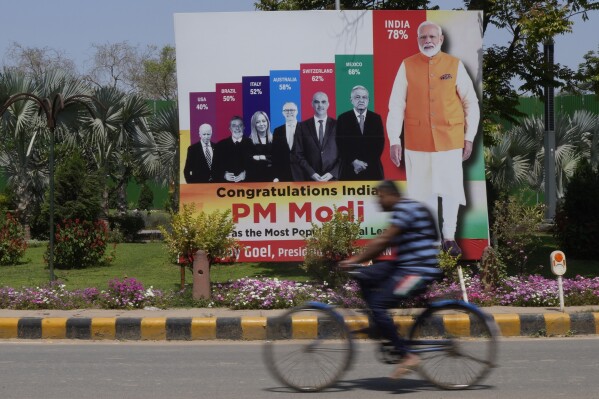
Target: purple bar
[256, 97]
[202, 107]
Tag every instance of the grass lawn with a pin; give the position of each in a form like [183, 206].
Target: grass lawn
[147, 262]
[539, 262]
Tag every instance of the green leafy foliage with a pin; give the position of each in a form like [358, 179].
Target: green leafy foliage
[76, 193]
[146, 198]
[128, 223]
[449, 264]
[330, 243]
[12, 240]
[79, 244]
[210, 232]
[515, 229]
[577, 219]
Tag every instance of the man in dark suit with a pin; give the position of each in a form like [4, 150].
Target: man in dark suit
[200, 156]
[232, 154]
[315, 144]
[360, 139]
[282, 144]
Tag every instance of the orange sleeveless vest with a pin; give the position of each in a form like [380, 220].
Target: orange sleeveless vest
[434, 116]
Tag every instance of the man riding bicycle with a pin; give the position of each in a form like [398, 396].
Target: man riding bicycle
[413, 235]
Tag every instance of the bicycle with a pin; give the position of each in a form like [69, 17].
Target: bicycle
[442, 335]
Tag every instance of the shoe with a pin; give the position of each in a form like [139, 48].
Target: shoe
[409, 363]
[451, 247]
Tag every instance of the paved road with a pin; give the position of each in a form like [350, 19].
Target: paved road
[528, 368]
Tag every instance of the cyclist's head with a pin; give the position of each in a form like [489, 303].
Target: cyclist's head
[389, 194]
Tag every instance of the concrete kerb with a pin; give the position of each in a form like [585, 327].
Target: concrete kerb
[209, 324]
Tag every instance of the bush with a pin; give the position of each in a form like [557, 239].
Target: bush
[146, 198]
[128, 293]
[128, 224]
[12, 240]
[79, 244]
[210, 232]
[330, 243]
[77, 194]
[449, 264]
[155, 218]
[515, 230]
[577, 219]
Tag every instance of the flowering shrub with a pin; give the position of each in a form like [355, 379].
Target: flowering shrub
[253, 293]
[79, 244]
[257, 293]
[12, 240]
[52, 296]
[128, 293]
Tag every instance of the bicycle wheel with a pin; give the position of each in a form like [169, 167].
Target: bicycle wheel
[456, 343]
[305, 355]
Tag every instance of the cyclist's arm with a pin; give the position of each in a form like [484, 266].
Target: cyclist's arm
[374, 247]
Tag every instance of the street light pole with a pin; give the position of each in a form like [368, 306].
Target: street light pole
[549, 137]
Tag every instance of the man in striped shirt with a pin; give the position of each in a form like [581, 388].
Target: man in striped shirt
[412, 235]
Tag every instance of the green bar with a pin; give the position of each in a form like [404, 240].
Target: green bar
[350, 71]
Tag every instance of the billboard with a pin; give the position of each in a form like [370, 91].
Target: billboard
[260, 82]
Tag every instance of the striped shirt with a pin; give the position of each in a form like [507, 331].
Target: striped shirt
[415, 245]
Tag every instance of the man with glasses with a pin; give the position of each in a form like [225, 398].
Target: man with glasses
[434, 100]
[232, 154]
[360, 139]
[282, 144]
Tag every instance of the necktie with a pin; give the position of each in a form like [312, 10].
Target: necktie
[289, 133]
[362, 123]
[208, 157]
[320, 132]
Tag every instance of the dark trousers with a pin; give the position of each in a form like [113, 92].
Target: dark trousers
[377, 283]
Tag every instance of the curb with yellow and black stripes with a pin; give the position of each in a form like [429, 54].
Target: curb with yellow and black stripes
[264, 328]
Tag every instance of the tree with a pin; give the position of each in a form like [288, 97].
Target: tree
[158, 77]
[21, 163]
[158, 153]
[517, 158]
[146, 198]
[586, 79]
[35, 61]
[115, 65]
[109, 138]
[24, 150]
[76, 190]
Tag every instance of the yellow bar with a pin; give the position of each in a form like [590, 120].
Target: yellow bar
[54, 327]
[253, 328]
[9, 327]
[357, 323]
[596, 316]
[457, 324]
[557, 324]
[203, 328]
[153, 328]
[404, 324]
[509, 324]
[304, 327]
[103, 328]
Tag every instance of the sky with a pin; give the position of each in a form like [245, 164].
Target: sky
[71, 26]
